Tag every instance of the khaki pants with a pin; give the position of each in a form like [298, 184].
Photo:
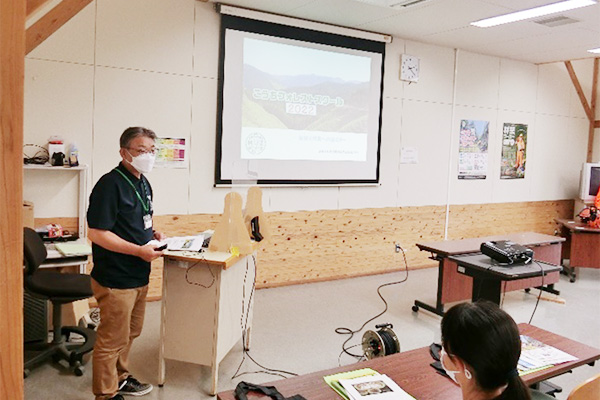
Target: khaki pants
[121, 320]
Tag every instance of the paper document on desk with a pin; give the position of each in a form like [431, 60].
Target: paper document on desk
[536, 355]
[374, 387]
[178, 243]
[334, 380]
[73, 249]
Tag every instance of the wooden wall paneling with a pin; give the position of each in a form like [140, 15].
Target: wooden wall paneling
[312, 246]
[468, 221]
[12, 67]
[52, 21]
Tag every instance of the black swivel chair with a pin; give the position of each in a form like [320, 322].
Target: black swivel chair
[59, 288]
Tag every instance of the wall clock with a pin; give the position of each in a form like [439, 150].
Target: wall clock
[409, 68]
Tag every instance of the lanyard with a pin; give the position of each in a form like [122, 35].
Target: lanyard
[144, 205]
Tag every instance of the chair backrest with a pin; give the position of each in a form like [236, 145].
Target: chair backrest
[588, 390]
[34, 250]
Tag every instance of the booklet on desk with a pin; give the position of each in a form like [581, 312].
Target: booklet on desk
[187, 243]
[374, 387]
[73, 249]
[334, 380]
[536, 356]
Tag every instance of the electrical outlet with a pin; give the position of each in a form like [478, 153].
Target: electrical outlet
[397, 247]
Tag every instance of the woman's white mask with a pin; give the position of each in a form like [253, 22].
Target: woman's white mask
[450, 373]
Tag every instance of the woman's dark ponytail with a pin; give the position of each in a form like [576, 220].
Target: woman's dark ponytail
[516, 389]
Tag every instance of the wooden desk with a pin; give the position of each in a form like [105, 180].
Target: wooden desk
[453, 286]
[412, 372]
[582, 247]
[488, 275]
[206, 308]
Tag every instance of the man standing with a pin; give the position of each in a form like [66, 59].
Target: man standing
[120, 226]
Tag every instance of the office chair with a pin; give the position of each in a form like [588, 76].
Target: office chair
[60, 289]
[588, 390]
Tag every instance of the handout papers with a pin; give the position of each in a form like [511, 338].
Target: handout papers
[536, 355]
[365, 383]
[189, 243]
[374, 387]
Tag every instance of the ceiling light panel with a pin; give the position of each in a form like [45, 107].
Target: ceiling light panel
[548, 9]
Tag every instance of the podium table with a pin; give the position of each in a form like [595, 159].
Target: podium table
[206, 307]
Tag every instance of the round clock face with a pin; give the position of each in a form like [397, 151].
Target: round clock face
[409, 70]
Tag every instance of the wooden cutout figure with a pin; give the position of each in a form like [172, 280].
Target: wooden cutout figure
[254, 209]
[230, 232]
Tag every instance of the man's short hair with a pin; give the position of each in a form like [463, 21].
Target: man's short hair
[131, 133]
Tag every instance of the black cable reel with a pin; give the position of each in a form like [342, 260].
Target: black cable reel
[380, 343]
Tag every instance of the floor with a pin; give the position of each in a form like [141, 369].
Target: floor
[294, 331]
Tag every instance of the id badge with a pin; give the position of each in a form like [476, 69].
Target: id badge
[147, 221]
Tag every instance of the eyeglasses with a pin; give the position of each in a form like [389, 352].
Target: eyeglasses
[140, 151]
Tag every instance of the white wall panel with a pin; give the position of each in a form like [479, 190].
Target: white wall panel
[477, 80]
[160, 102]
[436, 79]
[151, 35]
[553, 90]
[427, 127]
[392, 85]
[559, 149]
[73, 42]
[206, 40]
[204, 198]
[517, 89]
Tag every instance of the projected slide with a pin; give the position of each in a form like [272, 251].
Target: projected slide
[303, 103]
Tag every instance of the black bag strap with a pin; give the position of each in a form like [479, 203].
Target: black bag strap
[244, 387]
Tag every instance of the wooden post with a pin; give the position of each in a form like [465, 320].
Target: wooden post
[12, 67]
[590, 109]
[590, 151]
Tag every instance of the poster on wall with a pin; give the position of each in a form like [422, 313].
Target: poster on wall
[473, 149]
[514, 144]
[171, 153]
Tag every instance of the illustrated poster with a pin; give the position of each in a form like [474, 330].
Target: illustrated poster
[514, 149]
[473, 149]
[171, 153]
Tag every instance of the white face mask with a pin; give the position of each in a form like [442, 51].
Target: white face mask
[143, 163]
[450, 373]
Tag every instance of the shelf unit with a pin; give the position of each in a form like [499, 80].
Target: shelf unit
[82, 171]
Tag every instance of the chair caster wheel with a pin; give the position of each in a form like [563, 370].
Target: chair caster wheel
[527, 290]
[572, 279]
[26, 373]
[79, 369]
[415, 308]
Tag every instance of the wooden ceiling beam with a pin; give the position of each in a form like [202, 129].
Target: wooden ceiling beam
[584, 103]
[34, 5]
[52, 21]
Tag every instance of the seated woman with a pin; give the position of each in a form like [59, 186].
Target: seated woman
[480, 350]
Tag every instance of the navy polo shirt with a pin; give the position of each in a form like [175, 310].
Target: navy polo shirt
[115, 206]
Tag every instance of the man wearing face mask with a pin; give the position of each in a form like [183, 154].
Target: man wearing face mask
[120, 226]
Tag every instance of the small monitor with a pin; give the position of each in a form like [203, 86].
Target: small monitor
[590, 182]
